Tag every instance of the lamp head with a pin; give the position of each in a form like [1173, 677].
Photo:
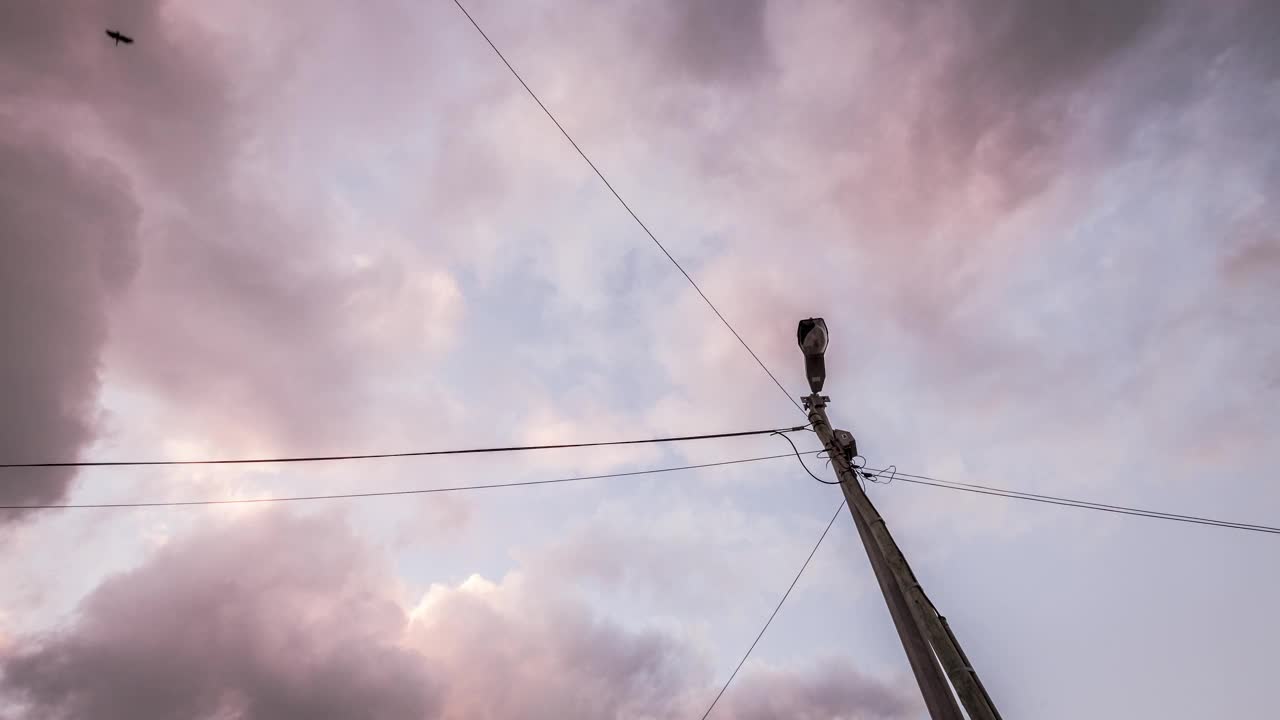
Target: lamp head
[811, 335]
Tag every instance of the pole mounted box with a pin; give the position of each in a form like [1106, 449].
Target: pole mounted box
[848, 445]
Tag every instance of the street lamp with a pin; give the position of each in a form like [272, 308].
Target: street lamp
[812, 337]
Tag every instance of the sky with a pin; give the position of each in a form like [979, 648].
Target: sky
[1043, 234]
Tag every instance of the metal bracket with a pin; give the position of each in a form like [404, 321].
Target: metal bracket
[814, 401]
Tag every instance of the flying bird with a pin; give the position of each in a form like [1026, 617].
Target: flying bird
[119, 38]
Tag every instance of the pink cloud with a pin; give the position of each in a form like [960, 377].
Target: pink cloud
[277, 616]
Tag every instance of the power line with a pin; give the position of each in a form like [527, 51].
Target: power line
[802, 463]
[774, 614]
[1088, 502]
[627, 207]
[872, 475]
[1083, 504]
[421, 453]
[1089, 506]
[426, 491]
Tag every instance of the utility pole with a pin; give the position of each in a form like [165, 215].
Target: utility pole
[938, 698]
[925, 635]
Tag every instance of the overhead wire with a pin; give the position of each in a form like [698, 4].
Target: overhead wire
[802, 463]
[1064, 499]
[627, 207]
[1085, 504]
[876, 476]
[416, 453]
[774, 614]
[388, 493]
[894, 475]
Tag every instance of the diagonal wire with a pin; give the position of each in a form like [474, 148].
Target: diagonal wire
[388, 493]
[627, 207]
[1082, 504]
[774, 614]
[1102, 508]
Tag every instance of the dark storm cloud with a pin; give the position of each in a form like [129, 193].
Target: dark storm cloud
[166, 96]
[1016, 68]
[985, 90]
[712, 41]
[68, 247]
[271, 617]
[68, 224]
[244, 305]
[276, 616]
[1034, 47]
[1006, 84]
[976, 111]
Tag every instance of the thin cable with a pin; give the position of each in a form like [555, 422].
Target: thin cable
[826, 461]
[877, 477]
[427, 491]
[806, 467]
[1098, 505]
[627, 207]
[785, 595]
[1083, 504]
[422, 453]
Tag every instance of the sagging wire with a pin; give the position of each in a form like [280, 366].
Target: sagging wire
[802, 463]
[859, 470]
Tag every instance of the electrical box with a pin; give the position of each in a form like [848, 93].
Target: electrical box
[847, 444]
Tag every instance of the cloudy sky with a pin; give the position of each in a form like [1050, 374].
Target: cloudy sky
[1043, 234]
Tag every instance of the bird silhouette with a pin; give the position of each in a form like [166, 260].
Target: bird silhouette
[119, 37]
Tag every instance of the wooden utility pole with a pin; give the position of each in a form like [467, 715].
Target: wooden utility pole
[926, 636]
[925, 627]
